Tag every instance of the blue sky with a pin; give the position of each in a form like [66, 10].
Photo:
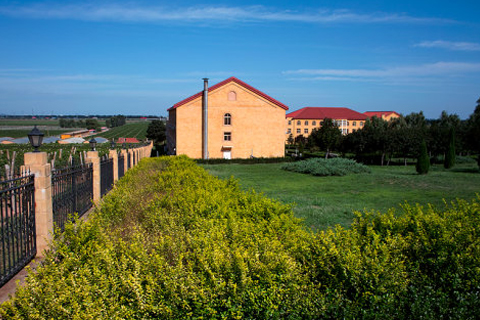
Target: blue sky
[141, 57]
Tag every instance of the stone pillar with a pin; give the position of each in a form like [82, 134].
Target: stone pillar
[94, 159]
[130, 151]
[37, 163]
[114, 155]
[125, 159]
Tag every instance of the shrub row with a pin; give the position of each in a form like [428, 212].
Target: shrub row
[327, 167]
[171, 241]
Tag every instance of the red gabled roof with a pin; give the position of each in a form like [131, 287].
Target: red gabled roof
[128, 140]
[379, 114]
[327, 112]
[224, 82]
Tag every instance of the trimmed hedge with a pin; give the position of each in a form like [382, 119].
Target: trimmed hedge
[244, 161]
[171, 241]
[327, 167]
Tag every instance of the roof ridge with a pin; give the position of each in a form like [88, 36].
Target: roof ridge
[224, 82]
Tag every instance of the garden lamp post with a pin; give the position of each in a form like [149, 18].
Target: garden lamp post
[93, 143]
[35, 137]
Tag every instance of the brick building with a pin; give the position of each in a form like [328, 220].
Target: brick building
[228, 120]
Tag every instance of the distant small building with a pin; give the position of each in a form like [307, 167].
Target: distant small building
[303, 121]
[385, 115]
[128, 140]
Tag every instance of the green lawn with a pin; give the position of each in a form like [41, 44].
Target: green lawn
[325, 201]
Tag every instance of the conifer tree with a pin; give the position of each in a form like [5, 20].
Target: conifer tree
[423, 161]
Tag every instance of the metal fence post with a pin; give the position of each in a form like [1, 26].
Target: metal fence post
[37, 163]
[92, 157]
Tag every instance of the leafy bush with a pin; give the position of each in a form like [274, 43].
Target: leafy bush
[171, 242]
[327, 167]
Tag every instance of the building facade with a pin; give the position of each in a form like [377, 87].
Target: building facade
[385, 115]
[228, 120]
[303, 121]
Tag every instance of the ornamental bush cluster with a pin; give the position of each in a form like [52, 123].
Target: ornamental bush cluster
[173, 242]
[327, 167]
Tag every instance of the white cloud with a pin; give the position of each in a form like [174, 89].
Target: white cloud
[205, 14]
[392, 74]
[458, 46]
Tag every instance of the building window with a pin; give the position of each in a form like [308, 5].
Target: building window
[354, 123]
[289, 122]
[305, 130]
[227, 119]
[306, 123]
[314, 123]
[299, 130]
[289, 131]
[232, 96]
[227, 136]
[299, 122]
[361, 123]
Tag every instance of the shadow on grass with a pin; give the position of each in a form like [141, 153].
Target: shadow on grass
[466, 170]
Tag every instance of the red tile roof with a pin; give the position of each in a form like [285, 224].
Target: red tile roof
[127, 140]
[327, 112]
[379, 114]
[224, 82]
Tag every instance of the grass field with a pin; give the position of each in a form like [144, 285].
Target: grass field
[326, 201]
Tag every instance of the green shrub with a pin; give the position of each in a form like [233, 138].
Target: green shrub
[173, 242]
[327, 167]
[423, 161]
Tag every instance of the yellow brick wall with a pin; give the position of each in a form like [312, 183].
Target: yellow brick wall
[258, 126]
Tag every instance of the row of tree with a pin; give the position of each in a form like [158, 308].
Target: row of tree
[116, 121]
[379, 141]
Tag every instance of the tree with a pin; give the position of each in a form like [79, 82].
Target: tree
[473, 131]
[290, 140]
[449, 161]
[377, 135]
[92, 124]
[423, 161]
[326, 137]
[156, 131]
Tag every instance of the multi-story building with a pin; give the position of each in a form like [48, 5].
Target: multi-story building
[385, 115]
[303, 121]
[228, 120]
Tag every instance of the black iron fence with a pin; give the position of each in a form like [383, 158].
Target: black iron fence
[121, 165]
[106, 175]
[72, 192]
[128, 160]
[17, 225]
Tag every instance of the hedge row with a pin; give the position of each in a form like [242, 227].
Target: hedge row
[171, 241]
[245, 161]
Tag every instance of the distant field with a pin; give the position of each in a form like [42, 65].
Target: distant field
[29, 122]
[24, 133]
[130, 130]
[325, 201]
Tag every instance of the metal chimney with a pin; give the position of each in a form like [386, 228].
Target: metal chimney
[205, 118]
